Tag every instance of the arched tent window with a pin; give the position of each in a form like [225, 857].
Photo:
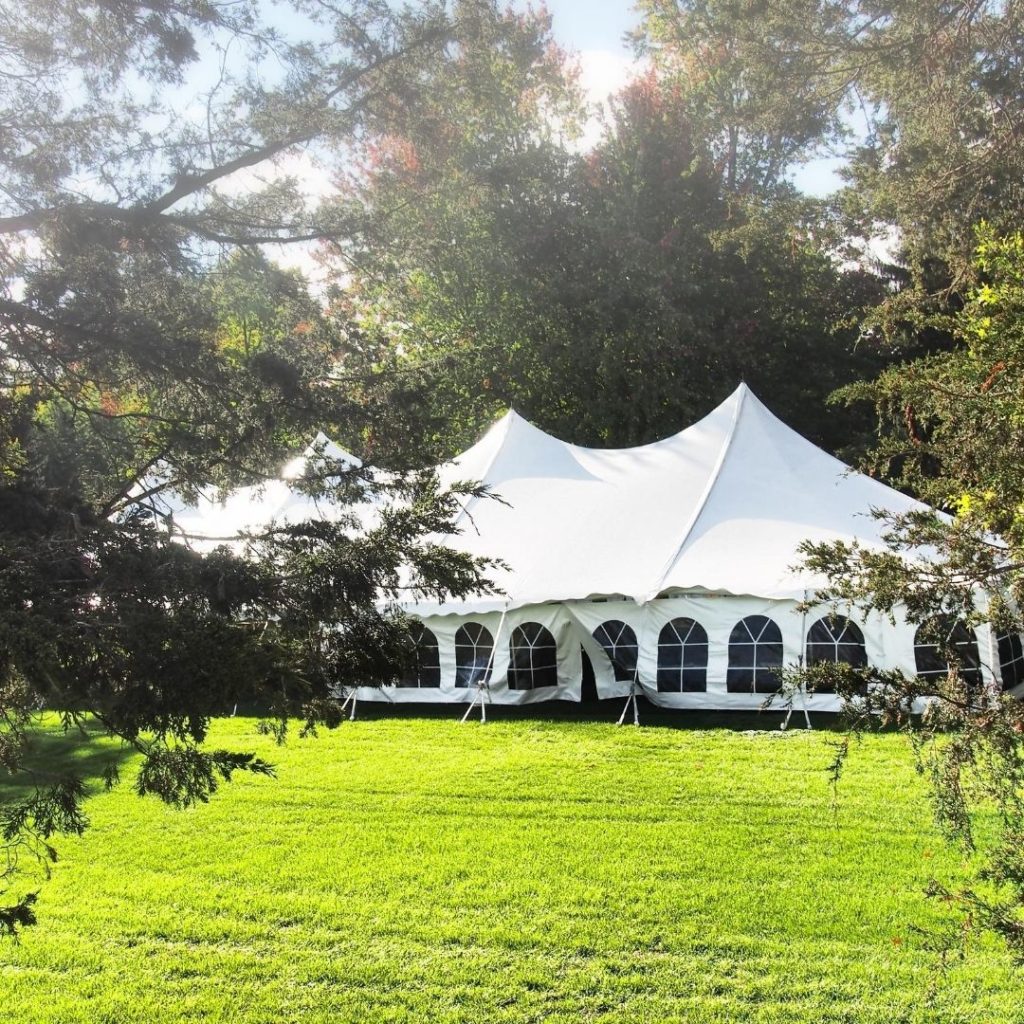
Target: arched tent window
[425, 670]
[1011, 660]
[473, 647]
[533, 658]
[835, 640]
[682, 657]
[619, 643]
[755, 656]
[936, 640]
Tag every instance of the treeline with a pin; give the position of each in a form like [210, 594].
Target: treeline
[615, 293]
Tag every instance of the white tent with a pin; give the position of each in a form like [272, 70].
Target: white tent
[673, 566]
[219, 518]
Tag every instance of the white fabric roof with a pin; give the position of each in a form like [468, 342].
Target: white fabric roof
[721, 506]
[223, 518]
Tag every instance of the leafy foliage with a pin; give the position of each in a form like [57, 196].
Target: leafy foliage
[149, 352]
[610, 296]
[759, 80]
[923, 100]
[951, 423]
[185, 776]
[26, 827]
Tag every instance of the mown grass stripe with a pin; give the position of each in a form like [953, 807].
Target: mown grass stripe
[418, 870]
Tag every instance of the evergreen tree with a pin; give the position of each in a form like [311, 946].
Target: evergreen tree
[952, 432]
[148, 349]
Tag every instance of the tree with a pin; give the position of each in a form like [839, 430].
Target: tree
[465, 210]
[148, 348]
[758, 80]
[923, 99]
[701, 287]
[943, 84]
[952, 424]
[610, 296]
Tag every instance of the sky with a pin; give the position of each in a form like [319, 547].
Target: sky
[597, 25]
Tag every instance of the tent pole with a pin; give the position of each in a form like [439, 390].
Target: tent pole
[994, 667]
[483, 684]
[349, 702]
[472, 704]
[801, 693]
[631, 699]
[482, 691]
[792, 708]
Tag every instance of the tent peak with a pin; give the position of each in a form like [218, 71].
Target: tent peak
[741, 392]
[514, 422]
[320, 451]
[737, 400]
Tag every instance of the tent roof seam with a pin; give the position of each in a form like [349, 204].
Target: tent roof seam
[743, 391]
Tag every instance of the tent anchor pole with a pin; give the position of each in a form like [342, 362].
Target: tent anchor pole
[481, 691]
[631, 699]
[792, 708]
[483, 683]
[801, 690]
[350, 701]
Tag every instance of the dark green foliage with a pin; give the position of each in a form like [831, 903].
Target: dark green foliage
[759, 80]
[924, 100]
[18, 915]
[26, 827]
[613, 296]
[48, 812]
[151, 351]
[183, 776]
[951, 430]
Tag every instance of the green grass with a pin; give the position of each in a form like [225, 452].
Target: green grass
[409, 869]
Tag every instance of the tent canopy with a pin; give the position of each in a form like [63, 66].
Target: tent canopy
[218, 517]
[720, 507]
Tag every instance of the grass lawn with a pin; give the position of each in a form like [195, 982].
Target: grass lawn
[415, 869]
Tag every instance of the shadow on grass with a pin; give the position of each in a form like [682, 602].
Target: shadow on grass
[54, 753]
[603, 711]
